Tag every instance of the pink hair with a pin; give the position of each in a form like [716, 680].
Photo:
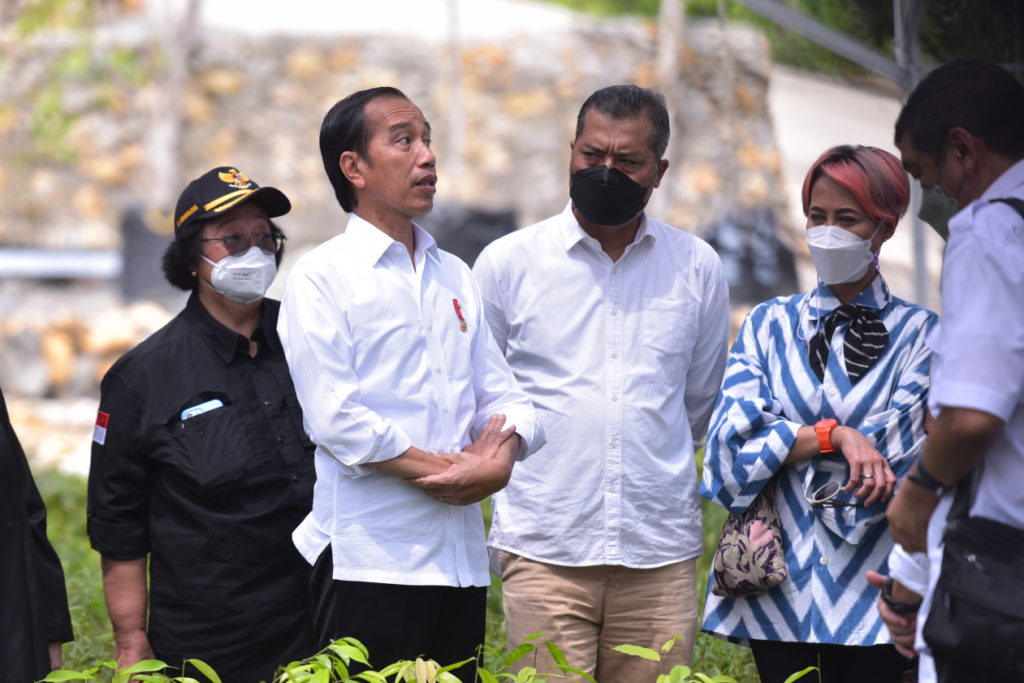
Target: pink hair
[874, 177]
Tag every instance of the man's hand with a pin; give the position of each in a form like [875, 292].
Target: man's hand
[908, 514]
[131, 647]
[492, 437]
[54, 649]
[482, 468]
[901, 627]
[870, 473]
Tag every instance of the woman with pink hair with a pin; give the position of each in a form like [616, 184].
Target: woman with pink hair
[824, 400]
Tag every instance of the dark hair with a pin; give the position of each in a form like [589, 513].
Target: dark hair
[344, 130]
[874, 177]
[970, 93]
[627, 102]
[182, 255]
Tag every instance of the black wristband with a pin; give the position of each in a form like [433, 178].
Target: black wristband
[925, 480]
[895, 605]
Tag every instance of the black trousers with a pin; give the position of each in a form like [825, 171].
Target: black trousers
[776, 661]
[396, 622]
[954, 672]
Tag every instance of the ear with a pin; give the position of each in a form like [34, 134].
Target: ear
[351, 166]
[964, 148]
[662, 167]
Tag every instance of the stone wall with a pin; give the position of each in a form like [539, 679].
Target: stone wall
[75, 158]
[74, 117]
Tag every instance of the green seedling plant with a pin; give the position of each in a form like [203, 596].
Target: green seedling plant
[529, 674]
[333, 664]
[683, 674]
[146, 671]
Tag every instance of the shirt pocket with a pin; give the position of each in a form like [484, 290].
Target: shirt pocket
[666, 336]
[210, 447]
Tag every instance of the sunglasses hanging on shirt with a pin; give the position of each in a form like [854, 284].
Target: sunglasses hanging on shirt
[825, 497]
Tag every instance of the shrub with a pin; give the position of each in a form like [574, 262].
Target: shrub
[333, 664]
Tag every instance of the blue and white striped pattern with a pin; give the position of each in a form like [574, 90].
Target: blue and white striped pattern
[770, 390]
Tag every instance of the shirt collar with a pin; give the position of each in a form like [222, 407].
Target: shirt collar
[573, 233]
[1006, 184]
[821, 300]
[371, 243]
[226, 342]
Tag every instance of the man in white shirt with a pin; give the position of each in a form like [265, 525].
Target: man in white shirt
[616, 326]
[395, 369]
[960, 135]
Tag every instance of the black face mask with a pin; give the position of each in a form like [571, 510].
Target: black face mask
[607, 196]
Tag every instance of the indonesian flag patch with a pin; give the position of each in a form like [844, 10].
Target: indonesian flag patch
[99, 432]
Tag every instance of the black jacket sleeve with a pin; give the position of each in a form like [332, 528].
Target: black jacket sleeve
[33, 598]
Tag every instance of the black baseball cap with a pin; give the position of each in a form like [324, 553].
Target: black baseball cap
[222, 189]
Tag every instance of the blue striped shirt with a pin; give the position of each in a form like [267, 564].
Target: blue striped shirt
[769, 392]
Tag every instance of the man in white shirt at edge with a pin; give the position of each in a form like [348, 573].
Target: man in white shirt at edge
[960, 135]
[395, 368]
[616, 326]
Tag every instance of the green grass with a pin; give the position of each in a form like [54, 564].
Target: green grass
[65, 498]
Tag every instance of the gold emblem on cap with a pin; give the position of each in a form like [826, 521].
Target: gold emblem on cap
[235, 179]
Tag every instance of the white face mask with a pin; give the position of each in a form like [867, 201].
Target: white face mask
[244, 277]
[839, 255]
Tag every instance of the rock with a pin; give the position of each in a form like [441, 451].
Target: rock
[222, 81]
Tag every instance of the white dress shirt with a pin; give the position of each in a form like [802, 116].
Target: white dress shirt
[381, 362]
[978, 349]
[978, 359]
[623, 361]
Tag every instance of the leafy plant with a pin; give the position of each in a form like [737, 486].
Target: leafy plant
[147, 671]
[528, 674]
[683, 674]
[333, 664]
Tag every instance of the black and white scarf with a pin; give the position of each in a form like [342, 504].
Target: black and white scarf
[862, 345]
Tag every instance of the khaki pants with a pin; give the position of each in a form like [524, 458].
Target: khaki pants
[586, 611]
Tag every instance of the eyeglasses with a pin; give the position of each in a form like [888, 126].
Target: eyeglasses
[825, 497]
[234, 244]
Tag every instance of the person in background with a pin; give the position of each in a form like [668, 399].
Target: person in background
[617, 327]
[400, 382]
[960, 135]
[825, 389]
[34, 615]
[199, 460]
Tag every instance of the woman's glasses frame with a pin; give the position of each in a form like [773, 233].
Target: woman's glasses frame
[236, 244]
[825, 497]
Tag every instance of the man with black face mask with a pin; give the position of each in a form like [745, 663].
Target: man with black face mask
[616, 326]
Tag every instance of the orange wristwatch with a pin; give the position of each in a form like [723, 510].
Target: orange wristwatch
[823, 428]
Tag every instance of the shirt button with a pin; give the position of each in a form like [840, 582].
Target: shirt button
[823, 560]
[613, 443]
[267, 402]
[615, 397]
[615, 354]
[280, 439]
[614, 312]
[832, 391]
